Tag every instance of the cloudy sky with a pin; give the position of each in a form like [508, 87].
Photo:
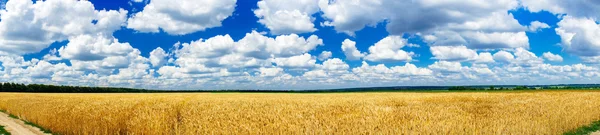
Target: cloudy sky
[298, 44]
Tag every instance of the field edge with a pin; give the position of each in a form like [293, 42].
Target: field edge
[585, 130]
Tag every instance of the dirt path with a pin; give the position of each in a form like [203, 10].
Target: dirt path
[18, 127]
[595, 133]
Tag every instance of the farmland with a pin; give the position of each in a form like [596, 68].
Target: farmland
[520, 112]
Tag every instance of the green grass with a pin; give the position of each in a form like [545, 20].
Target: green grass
[3, 131]
[9, 115]
[35, 125]
[585, 130]
[13, 116]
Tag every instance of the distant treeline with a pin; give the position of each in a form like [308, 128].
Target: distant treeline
[463, 88]
[16, 87]
[549, 87]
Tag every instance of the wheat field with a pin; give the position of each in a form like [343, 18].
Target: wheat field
[540, 112]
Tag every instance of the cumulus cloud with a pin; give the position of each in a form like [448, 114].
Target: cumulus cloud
[349, 16]
[350, 50]
[495, 40]
[300, 61]
[158, 57]
[537, 25]
[591, 59]
[578, 8]
[446, 66]
[578, 27]
[182, 16]
[335, 64]
[96, 47]
[28, 28]
[485, 57]
[453, 53]
[287, 16]
[552, 57]
[271, 72]
[579, 36]
[504, 56]
[476, 24]
[221, 56]
[325, 55]
[382, 72]
[526, 58]
[389, 49]
[519, 57]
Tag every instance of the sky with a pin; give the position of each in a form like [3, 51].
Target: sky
[298, 44]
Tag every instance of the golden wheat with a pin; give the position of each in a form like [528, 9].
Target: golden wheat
[542, 112]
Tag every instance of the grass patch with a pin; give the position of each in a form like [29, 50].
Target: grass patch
[9, 115]
[3, 131]
[13, 116]
[585, 130]
[37, 126]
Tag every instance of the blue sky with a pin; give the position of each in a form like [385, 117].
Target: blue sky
[283, 44]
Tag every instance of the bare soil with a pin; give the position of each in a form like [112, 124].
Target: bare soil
[18, 127]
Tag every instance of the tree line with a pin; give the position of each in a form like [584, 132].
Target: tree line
[466, 88]
[16, 87]
[41, 88]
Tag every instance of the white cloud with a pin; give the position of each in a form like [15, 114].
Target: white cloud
[552, 57]
[526, 58]
[222, 56]
[453, 53]
[495, 40]
[503, 56]
[591, 59]
[182, 16]
[331, 71]
[300, 61]
[207, 48]
[52, 55]
[389, 49]
[253, 45]
[288, 45]
[496, 22]
[478, 39]
[158, 57]
[446, 66]
[411, 69]
[109, 63]
[349, 16]
[237, 61]
[325, 55]
[454, 72]
[578, 8]
[381, 71]
[287, 16]
[476, 24]
[28, 28]
[271, 72]
[579, 36]
[350, 50]
[96, 47]
[335, 64]
[537, 25]
[484, 57]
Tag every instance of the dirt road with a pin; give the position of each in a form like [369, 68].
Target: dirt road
[18, 127]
